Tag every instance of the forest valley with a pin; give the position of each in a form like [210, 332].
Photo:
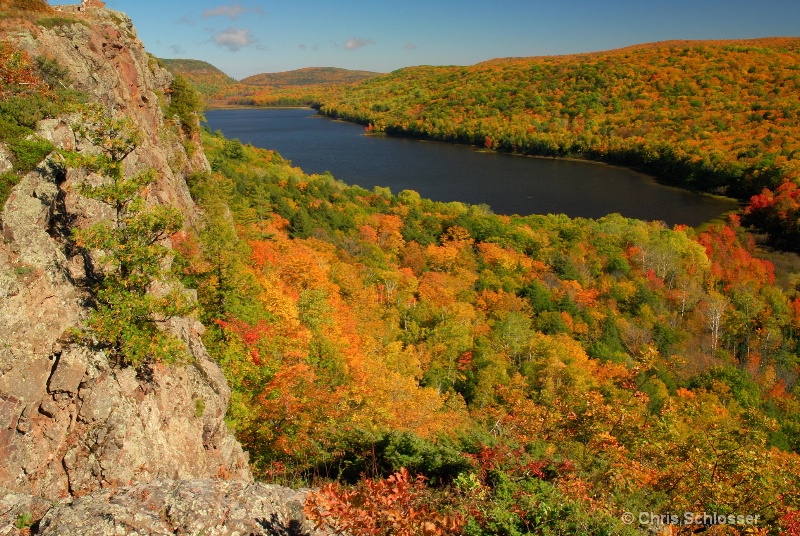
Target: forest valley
[543, 374]
[433, 368]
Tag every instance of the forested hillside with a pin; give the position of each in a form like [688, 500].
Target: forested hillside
[721, 117]
[301, 87]
[544, 375]
[715, 116]
[206, 78]
[309, 76]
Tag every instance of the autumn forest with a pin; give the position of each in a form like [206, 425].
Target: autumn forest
[714, 116]
[523, 374]
[435, 368]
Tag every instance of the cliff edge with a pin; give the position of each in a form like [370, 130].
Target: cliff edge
[88, 446]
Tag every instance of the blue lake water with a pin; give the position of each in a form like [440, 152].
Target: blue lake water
[444, 172]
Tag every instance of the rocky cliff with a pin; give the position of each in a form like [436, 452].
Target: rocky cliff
[95, 446]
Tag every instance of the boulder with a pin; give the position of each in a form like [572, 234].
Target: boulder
[69, 371]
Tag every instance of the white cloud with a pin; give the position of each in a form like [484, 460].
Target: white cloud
[178, 49]
[410, 46]
[231, 11]
[234, 38]
[355, 44]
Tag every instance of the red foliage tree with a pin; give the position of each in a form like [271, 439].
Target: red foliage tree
[732, 261]
[778, 213]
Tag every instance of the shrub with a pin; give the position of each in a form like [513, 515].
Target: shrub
[24, 520]
[51, 71]
[25, 99]
[7, 182]
[28, 153]
[17, 73]
[439, 461]
[27, 110]
[397, 505]
[29, 5]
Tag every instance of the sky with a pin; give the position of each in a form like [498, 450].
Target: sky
[246, 37]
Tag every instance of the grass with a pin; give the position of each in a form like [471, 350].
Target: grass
[56, 22]
[24, 520]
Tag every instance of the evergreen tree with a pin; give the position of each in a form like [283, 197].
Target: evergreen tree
[128, 316]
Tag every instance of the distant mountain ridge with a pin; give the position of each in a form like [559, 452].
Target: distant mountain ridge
[215, 85]
[667, 43]
[309, 76]
[205, 77]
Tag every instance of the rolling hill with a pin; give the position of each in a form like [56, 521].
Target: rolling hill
[206, 78]
[716, 116]
[309, 76]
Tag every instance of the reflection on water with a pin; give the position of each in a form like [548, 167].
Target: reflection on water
[443, 172]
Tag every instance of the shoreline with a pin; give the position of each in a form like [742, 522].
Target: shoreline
[225, 106]
[662, 183]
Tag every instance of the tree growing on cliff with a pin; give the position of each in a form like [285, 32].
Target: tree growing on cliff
[129, 314]
[186, 103]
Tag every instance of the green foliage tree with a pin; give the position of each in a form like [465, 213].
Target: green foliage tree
[186, 103]
[129, 316]
[218, 270]
[234, 149]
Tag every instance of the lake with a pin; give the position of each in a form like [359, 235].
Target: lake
[444, 172]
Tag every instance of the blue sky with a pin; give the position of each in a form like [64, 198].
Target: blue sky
[245, 37]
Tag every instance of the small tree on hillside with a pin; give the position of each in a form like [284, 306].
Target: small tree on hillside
[127, 318]
[186, 103]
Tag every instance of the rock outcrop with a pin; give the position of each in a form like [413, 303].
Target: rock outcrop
[209, 507]
[107, 61]
[97, 445]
